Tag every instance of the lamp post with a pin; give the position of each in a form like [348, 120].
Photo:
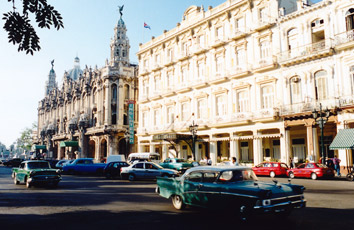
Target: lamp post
[321, 117]
[43, 132]
[193, 128]
[127, 136]
[83, 124]
[50, 133]
[72, 127]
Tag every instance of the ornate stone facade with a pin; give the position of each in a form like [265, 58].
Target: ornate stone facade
[88, 115]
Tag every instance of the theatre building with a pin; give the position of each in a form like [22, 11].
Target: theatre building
[89, 115]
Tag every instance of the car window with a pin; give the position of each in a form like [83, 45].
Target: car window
[321, 166]
[309, 165]
[115, 165]
[195, 177]
[283, 165]
[237, 175]
[139, 166]
[260, 165]
[210, 177]
[301, 166]
[38, 165]
[267, 165]
[22, 165]
[149, 166]
[180, 160]
[80, 162]
[275, 165]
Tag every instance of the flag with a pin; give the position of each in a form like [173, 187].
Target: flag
[147, 26]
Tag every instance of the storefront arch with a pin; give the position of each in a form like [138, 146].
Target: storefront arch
[91, 149]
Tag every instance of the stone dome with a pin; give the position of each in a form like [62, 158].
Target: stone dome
[76, 72]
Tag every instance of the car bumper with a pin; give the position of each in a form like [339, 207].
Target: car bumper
[44, 180]
[280, 207]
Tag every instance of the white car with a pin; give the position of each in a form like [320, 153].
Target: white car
[146, 170]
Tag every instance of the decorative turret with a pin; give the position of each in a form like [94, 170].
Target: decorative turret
[120, 43]
[51, 83]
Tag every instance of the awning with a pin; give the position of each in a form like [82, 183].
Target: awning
[343, 140]
[40, 147]
[69, 144]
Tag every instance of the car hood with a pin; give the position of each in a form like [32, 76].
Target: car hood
[257, 188]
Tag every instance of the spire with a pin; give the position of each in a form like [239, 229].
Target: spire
[51, 84]
[120, 43]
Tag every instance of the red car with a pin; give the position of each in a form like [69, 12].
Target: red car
[271, 169]
[311, 170]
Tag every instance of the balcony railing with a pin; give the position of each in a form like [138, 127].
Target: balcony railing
[304, 52]
[308, 106]
[343, 38]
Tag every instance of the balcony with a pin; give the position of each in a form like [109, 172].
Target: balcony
[241, 117]
[184, 55]
[218, 77]
[306, 53]
[156, 67]
[238, 34]
[198, 49]
[156, 95]
[144, 71]
[170, 61]
[200, 83]
[169, 91]
[310, 104]
[265, 64]
[239, 71]
[344, 40]
[183, 87]
[264, 24]
[268, 114]
[218, 42]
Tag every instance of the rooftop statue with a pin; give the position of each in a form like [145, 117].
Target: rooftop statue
[121, 10]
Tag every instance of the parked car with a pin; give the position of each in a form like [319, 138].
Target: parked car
[177, 164]
[15, 162]
[153, 157]
[36, 172]
[230, 188]
[52, 163]
[311, 170]
[146, 170]
[112, 169]
[271, 169]
[83, 166]
[60, 164]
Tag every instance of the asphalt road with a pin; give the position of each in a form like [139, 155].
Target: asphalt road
[88, 202]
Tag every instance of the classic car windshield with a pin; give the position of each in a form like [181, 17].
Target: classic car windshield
[38, 165]
[180, 160]
[237, 175]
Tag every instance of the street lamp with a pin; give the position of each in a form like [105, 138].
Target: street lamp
[83, 124]
[193, 128]
[127, 136]
[50, 132]
[321, 117]
[72, 128]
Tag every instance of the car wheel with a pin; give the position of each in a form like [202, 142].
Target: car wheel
[108, 175]
[28, 184]
[291, 175]
[350, 177]
[131, 177]
[177, 202]
[16, 182]
[244, 212]
[272, 174]
[313, 176]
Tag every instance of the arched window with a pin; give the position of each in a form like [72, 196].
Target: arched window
[126, 92]
[267, 96]
[293, 41]
[349, 19]
[321, 90]
[114, 93]
[295, 90]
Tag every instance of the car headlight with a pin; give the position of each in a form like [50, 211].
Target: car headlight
[265, 202]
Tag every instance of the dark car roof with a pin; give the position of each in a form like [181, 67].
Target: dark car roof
[35, 161]
[217, 168]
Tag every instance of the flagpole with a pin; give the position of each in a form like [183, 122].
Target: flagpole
[142, 42]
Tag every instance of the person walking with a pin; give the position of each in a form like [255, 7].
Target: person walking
[292, 165]
[234, 161]
[336, 162]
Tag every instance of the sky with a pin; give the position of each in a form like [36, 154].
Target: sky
[88, 29]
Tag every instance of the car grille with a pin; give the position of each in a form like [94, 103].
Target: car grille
[45, 173]
[286, 199]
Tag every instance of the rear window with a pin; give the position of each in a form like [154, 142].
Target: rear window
[210, 177]
[38, 165]
[195, 177]
[180, 160]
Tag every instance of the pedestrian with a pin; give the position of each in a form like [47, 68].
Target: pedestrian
[336, 162]
[209, 162]
[292, 165]
[234, 161]
[203, 161]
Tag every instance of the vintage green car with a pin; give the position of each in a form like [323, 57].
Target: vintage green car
[233, 188]
[178, 164]
[36, 172]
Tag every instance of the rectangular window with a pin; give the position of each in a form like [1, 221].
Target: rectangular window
[240, 58]
[157, 59]
[267, 97]
[242, 101]
[240, 25]
[219, 62]
[145, 118]
[170, 115]
[202, 112]
[157, 120]
[219, 33]
[184, 76]
[201, 70]
[265, 50]
[201, 40]
[170, 54]
[169, 80]
[146, 88]
[185, 111]
[220, 105]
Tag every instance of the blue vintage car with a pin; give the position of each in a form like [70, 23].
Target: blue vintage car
[231, 188]
[83, 166]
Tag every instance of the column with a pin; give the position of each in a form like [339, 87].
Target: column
[233, 148]
[285, 145]
[197, 150]
[316, 150]
[164, 152]
[213, 152]
[141, 148]
[310, 143]
[152, 147]
[257, 149]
